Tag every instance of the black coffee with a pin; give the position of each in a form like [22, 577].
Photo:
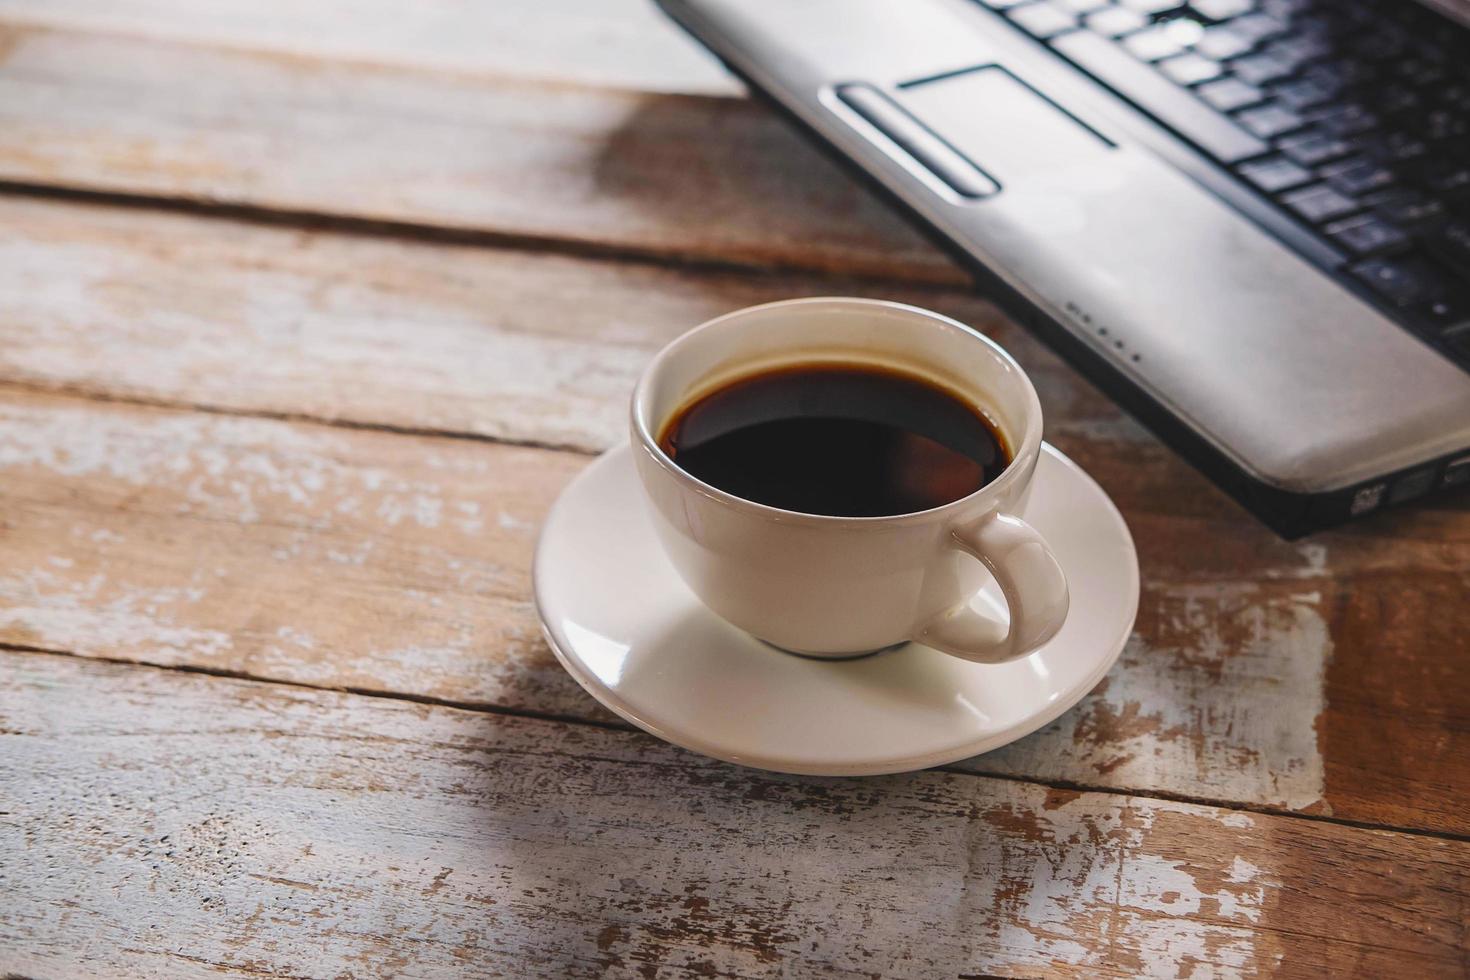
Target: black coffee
[835, 439]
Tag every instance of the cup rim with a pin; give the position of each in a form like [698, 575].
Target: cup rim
[1029, 444]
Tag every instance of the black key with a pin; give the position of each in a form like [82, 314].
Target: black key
[1324, 78]
[1406, 282]
[1175, 107]
[1455, 95]
[1318, 24]
[1115, 21]
[1297, 51]
[1258, 69]
[1356, 177]
[1285, 9]
[1394, 100]
[1391, 147]
[1300, 93]
[1269, 120]
[1367, 235]
[1450, 242]
[1229, 94]
[1190, 69]
[1459, 341]
[1258, 27]
[1274, 174]
[1347, 119]
[1319, 203]
[1042, 20]
[1405, 208]
[1347, 17]
[1446, 312]
[1440, 125]
[1311, 148]
[1383, 44]
[1338, 75]
[1419, 72]
[1221, 43]
[1449, 179]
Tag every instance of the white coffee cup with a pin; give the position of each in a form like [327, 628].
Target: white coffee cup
[828, 586]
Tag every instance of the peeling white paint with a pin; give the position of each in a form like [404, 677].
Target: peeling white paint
[357, 555]
[1243, 870]
[297, 637]
[1192, 933]
[236, 468]
[468, 519]
[1228, 713]
[1129, 878]
[258, 325]
[73, 614]
[426, 510]
[510, 522]
[1314, 557]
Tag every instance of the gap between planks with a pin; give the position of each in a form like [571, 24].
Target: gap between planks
[624, 45]
[84, 393]
[613, 168]
[1196, 637]
[481, 707]
[432, 234]
[1187, 792]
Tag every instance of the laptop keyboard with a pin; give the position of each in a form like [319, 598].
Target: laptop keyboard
[1353, 117]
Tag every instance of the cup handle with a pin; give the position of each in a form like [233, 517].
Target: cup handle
[1030, 578]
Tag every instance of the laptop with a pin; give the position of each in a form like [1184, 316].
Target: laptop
[1246, 220]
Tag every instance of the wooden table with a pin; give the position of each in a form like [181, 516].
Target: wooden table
[308, 311]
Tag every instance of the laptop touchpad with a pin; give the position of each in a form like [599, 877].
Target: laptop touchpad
[1005, 126]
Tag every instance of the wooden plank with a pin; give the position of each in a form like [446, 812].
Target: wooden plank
[376, 561]
[509, 344]
[1262, 672]
[199, 826]
[676, 176]
[614, 43]
[503, 343]
[290, 552]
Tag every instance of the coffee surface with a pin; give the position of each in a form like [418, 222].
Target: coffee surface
[841, 440]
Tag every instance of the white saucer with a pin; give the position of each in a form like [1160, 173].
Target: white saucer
[623, 623]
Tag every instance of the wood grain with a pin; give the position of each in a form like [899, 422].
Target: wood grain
[613, 43]
[683, 177]
[506, 343]
[384, 562]
[157, 821]
[197, 826]
[1245, 681]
